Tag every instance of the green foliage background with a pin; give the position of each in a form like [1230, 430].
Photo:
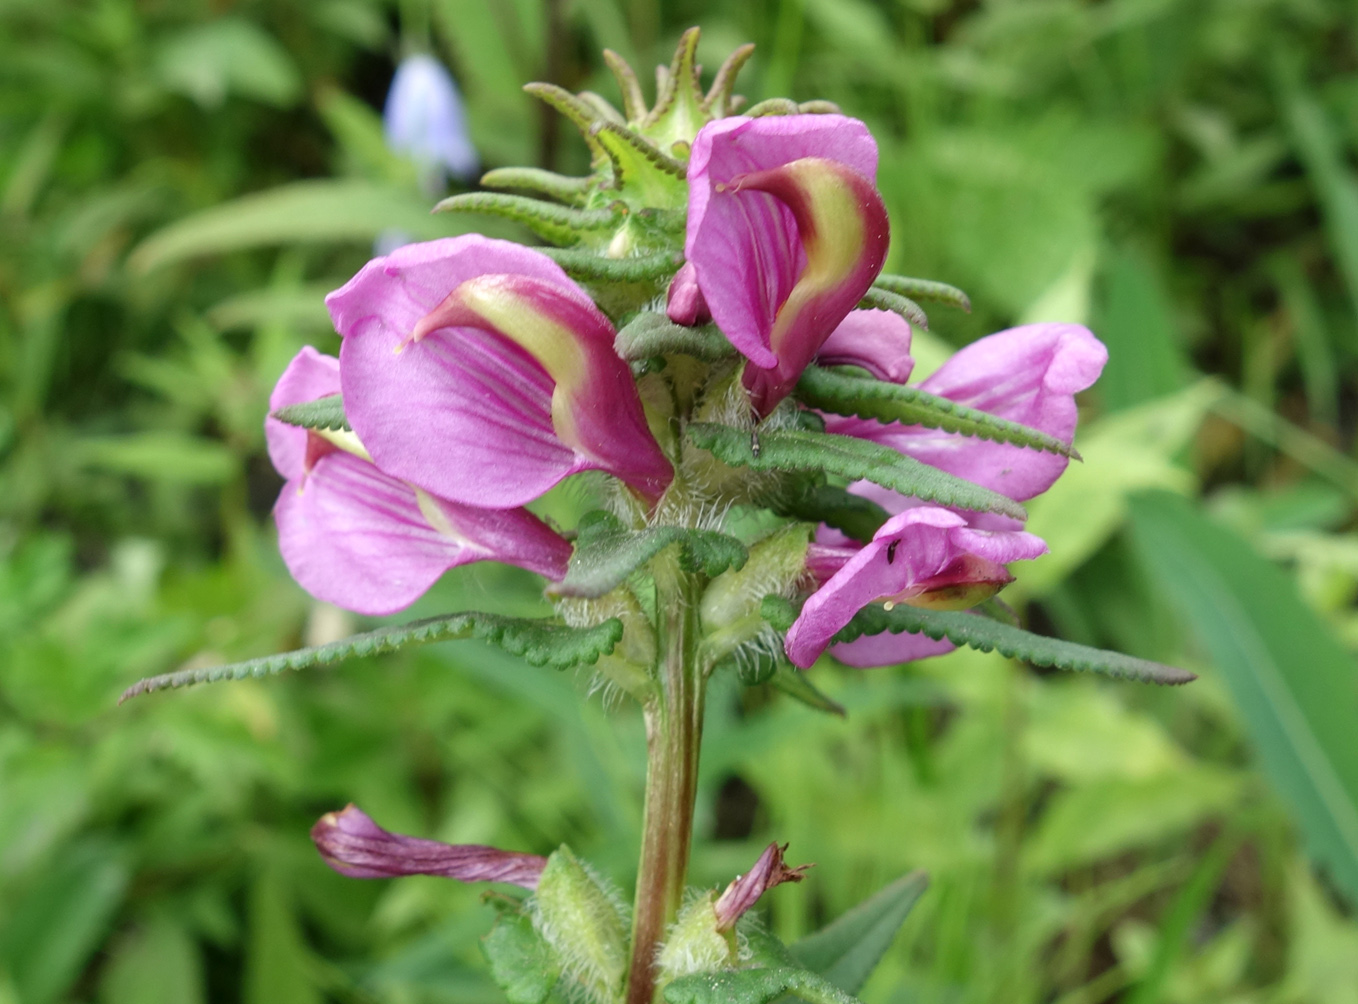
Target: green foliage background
[180, 183]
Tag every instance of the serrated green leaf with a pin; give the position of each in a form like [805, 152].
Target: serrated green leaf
[974, 631]
[847, 950]
[521, 963]
[581, 114]
[882, 299]
[326, 413]
[606, 553]
[652, 176]
[540, 642]
[842, 394]
[848, 457]
[924, 289]
[571, 191]
[853, 515]
[755, 986]
[564, 225]
[651, 333]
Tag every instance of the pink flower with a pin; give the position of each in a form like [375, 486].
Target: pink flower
[743, 893]
[786, 232]
[926, 556]
[353, 845]
[357, 537]
[475, 369]
[1028, 375]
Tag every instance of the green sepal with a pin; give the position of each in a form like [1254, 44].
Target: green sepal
[571, 191]
[586, 266]
[540, 642]
[581, 114]
[648, 174]
[877, 298]
[848, 457]
[564, 225]
[521, 963]
[793, 682]
[755, 986]
[842, 394]
[819, 106]
[584, 924]
[773, 106]
[717, 103]
[847, 950]
[852, 515]
[924, 289]
[633, 101]
[607, 553]
[323, 414]
[679, 110]
[651, 333]
[975, 631]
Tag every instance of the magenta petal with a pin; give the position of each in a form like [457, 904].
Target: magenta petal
[769, 871]
[1028, 375]
[745, 246]
[876, 340]
[353, 845]
[919, 549]
[309, 376]
[356, 537]
[889, 649]
[684, 303]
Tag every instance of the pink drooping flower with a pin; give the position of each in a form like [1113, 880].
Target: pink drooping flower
[1028, 375]
[786, 232]
[357, 537]
[926, 556]
[475, 369]
[353, 845]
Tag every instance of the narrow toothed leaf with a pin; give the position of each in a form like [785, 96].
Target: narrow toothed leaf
[651, 334]
[324, 413]
[818, 108]
[540, 642]
[679, 112]
[848, 457]
[773, 106]
[851, 514]
[572, 191]
[718, 100]
[755, 986]
[560, 224]
[606, 553]
[882, 299]
[589, 267]
[840, 394]
[975, 631]
[581, 114]
[847, 950]
[633, 101]
[924, 289]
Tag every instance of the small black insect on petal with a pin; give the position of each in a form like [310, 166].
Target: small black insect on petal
[891, 551]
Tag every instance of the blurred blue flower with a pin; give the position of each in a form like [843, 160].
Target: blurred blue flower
[424, 119]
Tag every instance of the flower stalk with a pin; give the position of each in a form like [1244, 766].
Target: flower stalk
[674, 726]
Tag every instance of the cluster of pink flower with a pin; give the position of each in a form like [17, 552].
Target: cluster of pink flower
[476, 375]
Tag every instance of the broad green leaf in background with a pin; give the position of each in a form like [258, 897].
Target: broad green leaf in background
[847, 950]
[46, 937]
[302, 212]
[156, 963]
[1145, 358]
[1294, 684]
[278, 967]
[161, 456]
[230, 55]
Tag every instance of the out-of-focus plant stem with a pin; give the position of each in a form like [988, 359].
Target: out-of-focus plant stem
[674, 726]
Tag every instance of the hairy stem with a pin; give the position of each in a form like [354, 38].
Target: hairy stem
[674, 725]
